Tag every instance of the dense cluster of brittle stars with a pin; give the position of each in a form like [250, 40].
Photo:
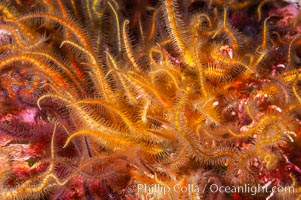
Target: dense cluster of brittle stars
[165, 110]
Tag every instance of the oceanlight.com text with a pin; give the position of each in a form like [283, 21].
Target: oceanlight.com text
[250, 189]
